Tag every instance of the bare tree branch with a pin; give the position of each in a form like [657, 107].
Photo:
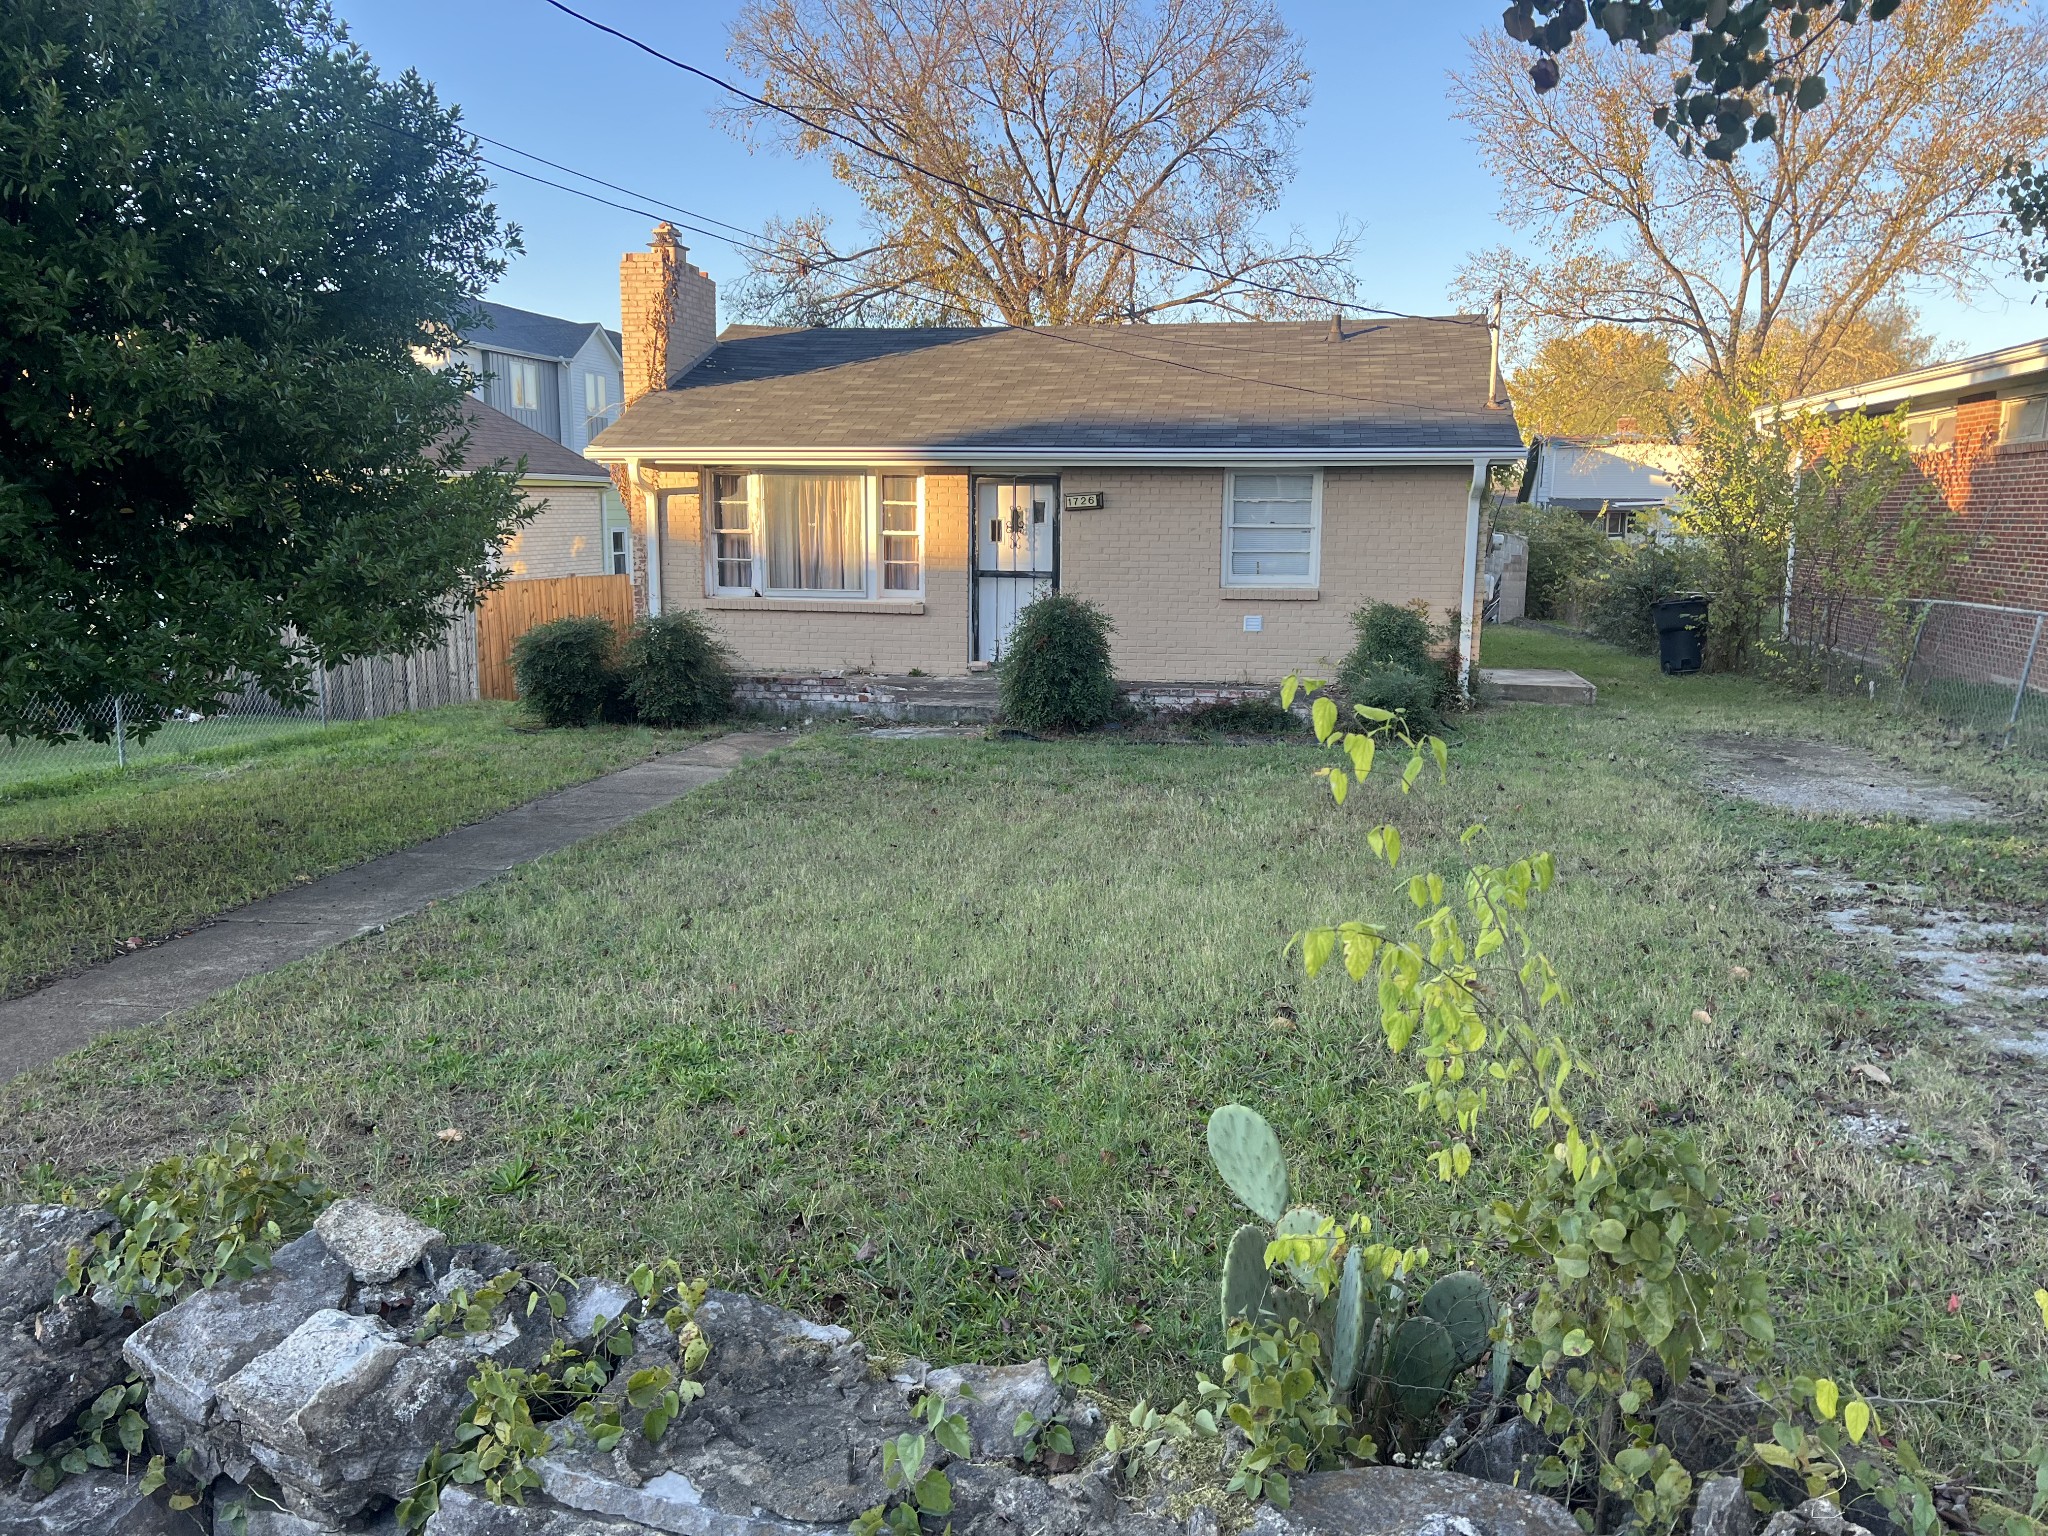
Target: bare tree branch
[1082, 128]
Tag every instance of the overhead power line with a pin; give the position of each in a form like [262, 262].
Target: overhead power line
[983, 197]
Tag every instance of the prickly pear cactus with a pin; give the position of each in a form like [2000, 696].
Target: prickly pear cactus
[1244, 1275]
[1464, 1306]
[1302, 1221]
[1247, 1153]
[1348, 1337]
[1420, 1365]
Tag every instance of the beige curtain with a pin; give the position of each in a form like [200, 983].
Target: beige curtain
[814, 525]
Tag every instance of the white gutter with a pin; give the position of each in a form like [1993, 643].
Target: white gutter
[2026, 360]
[1005, 456]
[1468, 618]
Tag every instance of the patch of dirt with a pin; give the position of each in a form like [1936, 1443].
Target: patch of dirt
[1985, 969]
[1817, 778]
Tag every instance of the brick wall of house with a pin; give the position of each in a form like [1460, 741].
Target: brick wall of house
[773, 634]
[2000, 491]
[1152, 556]
[566, 539]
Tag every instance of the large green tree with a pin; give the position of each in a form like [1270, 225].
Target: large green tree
[225, 244]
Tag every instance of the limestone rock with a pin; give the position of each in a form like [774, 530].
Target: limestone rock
[343, 1411]
[35, 1245]
[187, 1351]
[97, 1504]
[991, 1396]
[594, 1299]
[1722, 1509]
[1507, 1453]
[1001, 1501]
[42, 1388]
[792, 1420]
[1400, 1501]
[1816, 1517]
[1706, 1426]
[377, 1244]
[589, 1482]
[463, 1513]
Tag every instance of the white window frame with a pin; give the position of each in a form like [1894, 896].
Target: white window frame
[1314, 577]
[881, 584]
[2013, 419]
[871, 588]
[524, 369]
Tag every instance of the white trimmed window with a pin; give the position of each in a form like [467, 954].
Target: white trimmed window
[1272, 528]
[2024, 421]
[732, 537]
[816, 533]
[525, 385]
[1935, 429]
[902, 523]
[597, 398]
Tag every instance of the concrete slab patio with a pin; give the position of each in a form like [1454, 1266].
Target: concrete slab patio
[143, 987]
[1537, 685]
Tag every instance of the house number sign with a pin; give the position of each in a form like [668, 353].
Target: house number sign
[1081, 501]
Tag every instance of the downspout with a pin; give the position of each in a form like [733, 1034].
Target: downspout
[653, 496]
[1468, 621]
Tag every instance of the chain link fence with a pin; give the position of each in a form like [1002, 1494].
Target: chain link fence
[1977, 666]
[368, 689]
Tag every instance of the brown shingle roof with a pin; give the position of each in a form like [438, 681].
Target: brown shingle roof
[493, 436]
[1235, 388]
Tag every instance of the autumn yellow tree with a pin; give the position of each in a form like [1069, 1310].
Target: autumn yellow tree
[1036, 161]
[1887, 183]
[1585, 383]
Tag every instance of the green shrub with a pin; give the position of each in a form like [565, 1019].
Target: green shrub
[1241, 717]
[1564, 548]
[677, 670]
[1619, 596]
[566, 670]
[1056, 675]
[1397, 662]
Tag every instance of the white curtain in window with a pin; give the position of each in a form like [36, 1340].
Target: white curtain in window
[813, 524]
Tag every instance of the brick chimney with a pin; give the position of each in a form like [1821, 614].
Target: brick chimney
[668, 313]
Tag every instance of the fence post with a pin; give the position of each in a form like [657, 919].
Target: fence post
[2019, 694]
[1906, 672]
[120, 733]
[320, 687]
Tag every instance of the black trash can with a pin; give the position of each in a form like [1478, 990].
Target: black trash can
[1681, 621]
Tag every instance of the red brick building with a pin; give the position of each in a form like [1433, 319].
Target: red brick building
[1979, 428]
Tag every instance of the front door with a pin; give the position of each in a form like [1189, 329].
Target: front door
[1016, 543]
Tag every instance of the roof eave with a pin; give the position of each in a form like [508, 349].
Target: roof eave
[1005, 455]
[1967, 373]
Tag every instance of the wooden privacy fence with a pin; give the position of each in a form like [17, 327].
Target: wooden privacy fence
[518, 606]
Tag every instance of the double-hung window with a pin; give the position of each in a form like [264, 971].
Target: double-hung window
[902, 523]
[816, 534]
[1272, 526]
[732, 535]
[597, 400]
[525, 385]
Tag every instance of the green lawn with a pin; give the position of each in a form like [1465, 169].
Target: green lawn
[101, 856]
[920, 1035]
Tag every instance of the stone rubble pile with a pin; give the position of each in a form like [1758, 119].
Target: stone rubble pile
[299, 1402]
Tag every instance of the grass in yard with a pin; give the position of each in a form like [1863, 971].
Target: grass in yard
[920, 1036]
[99, 857]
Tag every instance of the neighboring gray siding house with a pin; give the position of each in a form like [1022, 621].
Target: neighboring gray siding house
[561, 378]
[1624, 482]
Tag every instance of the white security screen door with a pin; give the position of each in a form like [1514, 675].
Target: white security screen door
[1016, 526]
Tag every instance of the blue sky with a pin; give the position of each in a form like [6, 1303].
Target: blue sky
[1378, 144]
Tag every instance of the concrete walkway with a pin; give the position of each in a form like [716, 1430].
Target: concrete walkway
[145, 986]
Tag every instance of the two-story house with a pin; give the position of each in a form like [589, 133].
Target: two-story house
[562, 378]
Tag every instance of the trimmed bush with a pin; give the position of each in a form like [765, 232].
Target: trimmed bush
[1241, 717]
[565, 670]
[1397, 663]
[678, 671]
[1056, 675]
